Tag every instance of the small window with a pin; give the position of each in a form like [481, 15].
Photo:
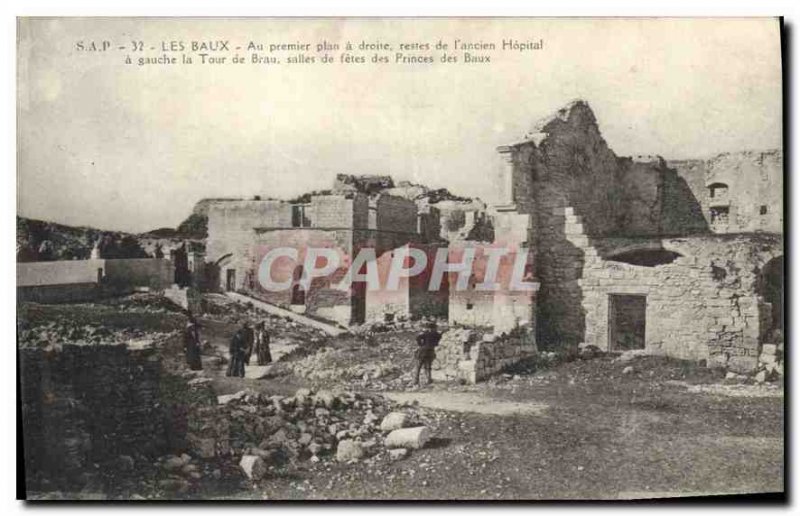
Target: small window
[763, 210]
[717, 190]
[299, 218]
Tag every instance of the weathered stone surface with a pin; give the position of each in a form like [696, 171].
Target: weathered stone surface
[253, 467]
[769, 349]
[325, 398]
[203, 447]
[415, 437]
[393, 421]
[398, 453]
[173, 463]
[348, 450]
[227, 398]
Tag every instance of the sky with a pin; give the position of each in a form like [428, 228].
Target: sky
[132, 148]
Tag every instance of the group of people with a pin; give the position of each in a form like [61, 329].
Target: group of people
[247, 339]
[244, 342]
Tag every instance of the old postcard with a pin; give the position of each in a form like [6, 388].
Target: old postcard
[400, 259]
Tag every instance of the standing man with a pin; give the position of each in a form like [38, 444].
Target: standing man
[191, 344]
[236, 349]
[263, 354]
[426, 351]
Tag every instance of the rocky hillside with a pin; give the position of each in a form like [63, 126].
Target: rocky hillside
[39, 240]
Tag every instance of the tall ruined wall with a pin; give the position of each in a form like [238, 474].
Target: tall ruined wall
[331, 212]
[232, 229]
[754, 195]
[322, 299]
[231, 224]
[565, 174]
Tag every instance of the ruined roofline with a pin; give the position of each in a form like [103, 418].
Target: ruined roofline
[542, 127]
[718, 155]
[561, 115]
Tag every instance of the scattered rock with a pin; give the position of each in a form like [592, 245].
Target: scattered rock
[253, 466]
[398, 453]
[227, 398]
[349, 449]
[628, 370]
[203, 447]
[173, 463]
[394, 421]
[125, 462]
[325, 398]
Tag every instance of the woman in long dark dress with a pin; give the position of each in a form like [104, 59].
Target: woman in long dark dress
[262, 344]
[237, 350]
[191, 344]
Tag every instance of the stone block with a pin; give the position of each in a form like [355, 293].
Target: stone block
[415, 437]
[767, 359]
[348, 450]
[253, 467]
[394, 421]
[769, 349]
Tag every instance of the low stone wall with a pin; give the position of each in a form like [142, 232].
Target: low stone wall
[73, 293]
[155, 273]
[72, 281]
[473, 356]
[63, 272]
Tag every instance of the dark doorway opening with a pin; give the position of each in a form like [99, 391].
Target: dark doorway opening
[771, 288]
[298, 292]
[230, 280]
[626, 321]
[358, 298]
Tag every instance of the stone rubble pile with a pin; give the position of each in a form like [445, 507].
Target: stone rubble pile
[770, 363]
[67, 331]
[331, 364]
[262, 433]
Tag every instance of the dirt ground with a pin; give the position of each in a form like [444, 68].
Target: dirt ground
[580, 429]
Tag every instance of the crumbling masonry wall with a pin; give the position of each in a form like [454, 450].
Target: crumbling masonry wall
[241, 232]
[84, 404]
[703, 305]
[473, 356]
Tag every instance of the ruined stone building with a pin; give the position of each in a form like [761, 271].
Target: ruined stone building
[682, 258]
[678, 258]
[347, 218]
